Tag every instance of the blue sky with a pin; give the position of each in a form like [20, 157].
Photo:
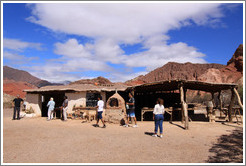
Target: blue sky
[60, 42]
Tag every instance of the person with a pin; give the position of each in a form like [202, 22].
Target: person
[131, 110]
[65, 107]
[158, 116]
[17, 104]
[24, 105]
[51, 106]
[100, 105]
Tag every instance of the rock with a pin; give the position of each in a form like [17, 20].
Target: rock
[95, 81]
[173, 71]
[30, 115]
[22, 114]
[231, 73]
[216, 73]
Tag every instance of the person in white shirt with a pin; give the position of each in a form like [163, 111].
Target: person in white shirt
[100, 105]
[158, 116]
[51, 106]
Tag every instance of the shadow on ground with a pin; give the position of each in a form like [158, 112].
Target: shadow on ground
[149, 133]
[228, 149]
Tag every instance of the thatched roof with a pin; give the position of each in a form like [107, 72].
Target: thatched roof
[175, 84]
[80, 88]
[154, 86]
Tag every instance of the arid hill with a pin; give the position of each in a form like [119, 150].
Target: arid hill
[173, 70]
[232, 73]
[12, 87]
[98, 80]
[23, 76]
[216, 73]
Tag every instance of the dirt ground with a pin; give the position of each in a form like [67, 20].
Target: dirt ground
[35, 140]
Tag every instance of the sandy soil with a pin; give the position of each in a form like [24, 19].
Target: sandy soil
[35, 140]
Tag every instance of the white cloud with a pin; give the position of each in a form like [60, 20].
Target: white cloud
[17, 45]
[112, 24]
[72, 49]
[122, 22]
[14, 50]
[17, 57]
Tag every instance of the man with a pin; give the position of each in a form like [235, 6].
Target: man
[131, 110]
[17, 104]
[100, 105]
[65, 107]
[51, 107]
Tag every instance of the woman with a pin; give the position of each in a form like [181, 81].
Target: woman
[158, 116]
[51, 106]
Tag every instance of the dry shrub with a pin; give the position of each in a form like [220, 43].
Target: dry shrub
[29, 111]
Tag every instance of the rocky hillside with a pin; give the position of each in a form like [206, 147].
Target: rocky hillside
[23, 76]
[12, 87]
[172, 70]
[232, 73]
[217, 73]
[98, 80]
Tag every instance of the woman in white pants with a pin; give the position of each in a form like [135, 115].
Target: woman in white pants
[51, 106]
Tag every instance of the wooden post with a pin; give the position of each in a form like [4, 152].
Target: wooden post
[233, 97]
[184, 108]
[220, 103]
[185, 90]
[213, 111]
[212, 94]
[238, 98]
[171, 118]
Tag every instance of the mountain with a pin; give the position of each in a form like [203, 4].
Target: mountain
[216, 73]
[98, 80]
[231, 73]
[173, 70]
[23, 76]
[12, 87]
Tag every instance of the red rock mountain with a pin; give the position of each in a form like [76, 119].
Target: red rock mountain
[172, 70]
[216, 73]
[23, 76]
[232, 73]
[98, 80]
[14, 88]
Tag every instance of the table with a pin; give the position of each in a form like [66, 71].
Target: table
[146, 109]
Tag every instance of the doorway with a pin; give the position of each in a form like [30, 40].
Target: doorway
[58, 99]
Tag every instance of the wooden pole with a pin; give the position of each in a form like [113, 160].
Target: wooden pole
[238, 98]
[185, 90]
[184, 108]
[212, 94]
[220, 103]
[182, 100]
[233, 97]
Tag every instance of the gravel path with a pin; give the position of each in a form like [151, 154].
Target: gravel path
[35, 140]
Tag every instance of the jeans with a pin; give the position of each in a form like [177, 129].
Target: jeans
[158, 122]
[18, 112]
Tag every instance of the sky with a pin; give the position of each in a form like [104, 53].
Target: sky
[119, 41]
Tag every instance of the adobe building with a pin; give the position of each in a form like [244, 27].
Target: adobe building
[114, 96]
[79, 95]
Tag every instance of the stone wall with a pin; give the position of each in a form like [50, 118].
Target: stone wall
[76, 99]
[115, 115]
[34, 101]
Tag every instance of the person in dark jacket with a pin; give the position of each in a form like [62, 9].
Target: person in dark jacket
[17, 102]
